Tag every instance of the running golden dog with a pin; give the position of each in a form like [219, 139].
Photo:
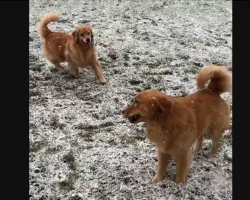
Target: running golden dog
[77, 49]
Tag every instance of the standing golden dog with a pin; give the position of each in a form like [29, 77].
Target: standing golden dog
[77, 49]
[175, 124]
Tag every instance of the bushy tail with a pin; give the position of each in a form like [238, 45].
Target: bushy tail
[220, 79]
[43, 28]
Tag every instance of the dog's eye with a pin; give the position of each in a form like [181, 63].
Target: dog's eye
[88, 33]
[81, 34]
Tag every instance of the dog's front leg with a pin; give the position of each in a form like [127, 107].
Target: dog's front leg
[183, 163]
[163, 160]
[98, 70]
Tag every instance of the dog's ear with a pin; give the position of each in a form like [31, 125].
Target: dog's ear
[161, 106]
[154, 105]
[75, 35]
[92, 37]
[89, 28]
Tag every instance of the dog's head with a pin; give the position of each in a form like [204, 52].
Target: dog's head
[83, 35]
[148, 106]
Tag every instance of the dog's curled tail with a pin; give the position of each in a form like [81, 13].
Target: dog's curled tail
[43, 28]
[220, 79]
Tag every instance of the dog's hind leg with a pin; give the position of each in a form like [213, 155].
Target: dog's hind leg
[73, 69]
[56, 61]
[59, 67]
[217, 128]
[198, 143]
[215, 132]
[215, 135]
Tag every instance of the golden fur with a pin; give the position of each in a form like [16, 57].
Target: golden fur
[175, 124]
[77, 49]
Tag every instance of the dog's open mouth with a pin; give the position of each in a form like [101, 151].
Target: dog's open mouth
[134, 118]
[85, 43]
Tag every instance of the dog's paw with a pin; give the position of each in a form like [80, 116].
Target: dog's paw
[156, 179]
[181, 180]
[102, 80]
[73, 76]
[198, 150]
[64, 65]
[64, 71]
[212, 154]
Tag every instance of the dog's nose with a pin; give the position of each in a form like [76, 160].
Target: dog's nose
[88, 40]
[123, 111]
